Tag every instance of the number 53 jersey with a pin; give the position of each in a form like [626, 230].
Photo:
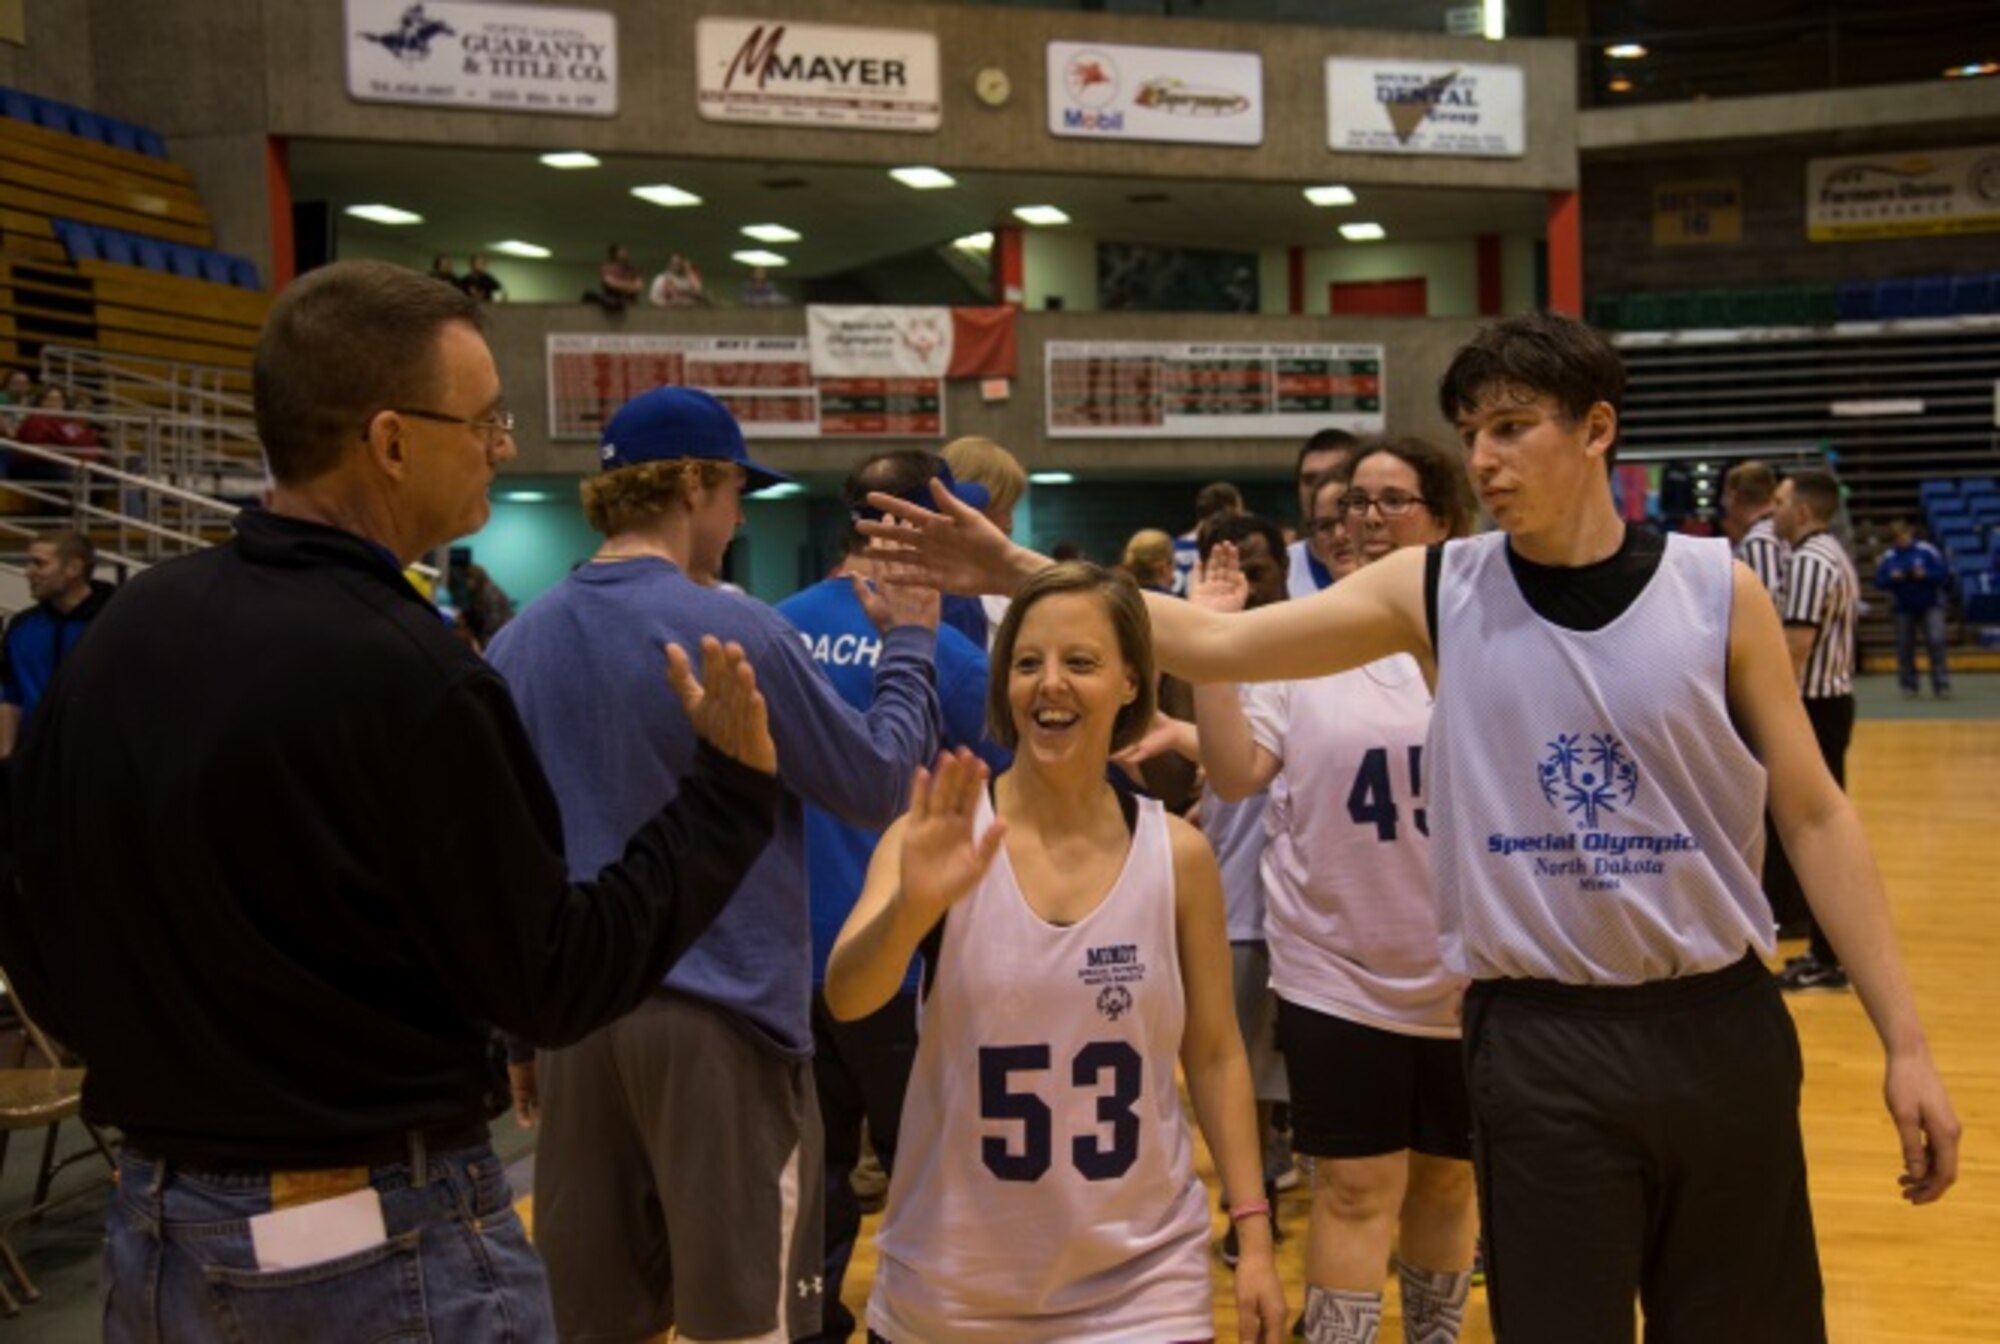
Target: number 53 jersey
[1044, 1187]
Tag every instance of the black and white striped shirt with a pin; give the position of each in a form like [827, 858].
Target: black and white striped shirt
[1823, 591]
[1767, 556]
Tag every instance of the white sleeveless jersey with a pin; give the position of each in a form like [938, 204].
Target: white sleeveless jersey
[1598, 820]
[1044, 1188]
[1349, 916]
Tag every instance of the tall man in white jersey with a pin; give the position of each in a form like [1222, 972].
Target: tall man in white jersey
[1610, 705]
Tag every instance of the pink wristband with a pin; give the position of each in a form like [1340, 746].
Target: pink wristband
[1238, 1212]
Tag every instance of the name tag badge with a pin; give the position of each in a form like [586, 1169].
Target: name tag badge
[312, 1234]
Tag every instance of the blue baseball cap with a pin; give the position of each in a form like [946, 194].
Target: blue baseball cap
[969, 493]
[668, 423]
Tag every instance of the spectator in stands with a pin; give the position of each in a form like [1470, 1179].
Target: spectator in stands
[1149, 559]
[365, 862]
[1916, 575]
[67, 598]
[979, 461]
[1219, 499]
[17, 390]
[441, 269]
[759, 292]
[620, 284]
[54, 424]
[481, 283]
[678, 286]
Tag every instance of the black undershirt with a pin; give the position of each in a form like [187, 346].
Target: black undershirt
[1578, 597]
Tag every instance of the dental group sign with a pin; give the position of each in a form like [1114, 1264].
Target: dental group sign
[1426, 107]
[1098, 91]
[505, 58]
[817, 74]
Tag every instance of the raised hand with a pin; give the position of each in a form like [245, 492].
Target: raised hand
[725, 706]
[1218, 584]
[942, 861]
[955, 548]
[890, 602]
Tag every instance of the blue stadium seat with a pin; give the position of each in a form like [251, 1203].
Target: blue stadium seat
[1855, 301]
[1895, 298]
[1981, 485]
[1932, 296]
[152, 253]
[88, 125]
[184, 261]
[79, 240]
[1971, 294]
[1931, 491]
[215, 268]
[53, 115]
[117, 247]
[243, 272]
[151, 145]
[15, 104]
[121, 135]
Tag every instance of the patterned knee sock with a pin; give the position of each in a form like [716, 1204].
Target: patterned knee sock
[1337, 1317]
[1433, 1303]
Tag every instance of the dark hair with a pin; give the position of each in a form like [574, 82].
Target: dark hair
[1752, 482]
[902, 472]
[1237, 527]
[1440, 478]
[1818, 490]
[1535, 355]
[70, 544]
[1325, 441]
[1067, 549]
[343, 342]
[611, 252]
[1217, 497]
[1127, 610]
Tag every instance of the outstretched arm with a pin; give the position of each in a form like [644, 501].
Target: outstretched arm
[1822, 834]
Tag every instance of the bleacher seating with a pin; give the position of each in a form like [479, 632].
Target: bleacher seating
[82, 123]
[1900, 298]
[88, 242]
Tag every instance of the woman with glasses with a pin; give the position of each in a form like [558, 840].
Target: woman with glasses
[1367, 1014]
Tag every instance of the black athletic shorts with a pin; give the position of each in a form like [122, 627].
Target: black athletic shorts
[1363, 1092]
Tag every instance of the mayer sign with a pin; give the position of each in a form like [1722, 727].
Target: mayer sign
[817, 74]
[1099, 91]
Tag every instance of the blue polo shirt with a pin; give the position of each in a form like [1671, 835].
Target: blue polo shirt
[36, 642]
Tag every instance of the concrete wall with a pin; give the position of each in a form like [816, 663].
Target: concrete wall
[1619, 254]
[302, 49]
[56, 62]
[1417, 352]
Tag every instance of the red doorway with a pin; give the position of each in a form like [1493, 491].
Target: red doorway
[1380, 298]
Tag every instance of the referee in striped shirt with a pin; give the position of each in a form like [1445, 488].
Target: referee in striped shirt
[1822, 594]
[1748, 500]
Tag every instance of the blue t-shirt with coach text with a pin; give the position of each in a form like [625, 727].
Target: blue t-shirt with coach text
[839, 637]
[585, 665]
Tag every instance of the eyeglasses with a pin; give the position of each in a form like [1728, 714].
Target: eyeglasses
[1392, 503]
[492, 428]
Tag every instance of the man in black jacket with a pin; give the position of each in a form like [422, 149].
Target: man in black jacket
[286, 859]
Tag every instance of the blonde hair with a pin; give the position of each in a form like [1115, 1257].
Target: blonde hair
[980, 460]
[1134, 628]
[638, 496]
[1150, 552]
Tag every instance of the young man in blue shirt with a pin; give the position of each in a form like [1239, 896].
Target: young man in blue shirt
[1915, 575]
[67, 599]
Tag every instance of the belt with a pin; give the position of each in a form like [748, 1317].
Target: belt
[413, 1146]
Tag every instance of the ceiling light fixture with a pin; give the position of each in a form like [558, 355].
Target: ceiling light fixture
[1973, 71]
[1493, 24]
[570, 158]
[757, 256]
[1332, 194]
[661, 193]
[782, 490]
[1040, 215]
[526, 496]
[1363, 233]
[1620, 85]
[923, 179]
[1052, 478]
[384, 214]
[771, 233]
[514, 247]
[1625, 51]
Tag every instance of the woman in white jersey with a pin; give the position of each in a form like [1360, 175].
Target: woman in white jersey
[1075, 948]
[1367, 1014]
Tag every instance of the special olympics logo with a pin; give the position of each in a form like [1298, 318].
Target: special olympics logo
[922, 336]
[1114, 1001]
[1091, 78]
[411, 42]
[1588, 776]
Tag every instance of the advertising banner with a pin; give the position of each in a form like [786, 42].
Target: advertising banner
[766, 381]
[900, 342]
[1098, 91]
[817, 74]
[1426, 107]
[497, 58]
[1923, 192]
[1160, 390]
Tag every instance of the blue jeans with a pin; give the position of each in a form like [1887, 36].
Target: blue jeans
[1906, 648]
[178, 1265]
